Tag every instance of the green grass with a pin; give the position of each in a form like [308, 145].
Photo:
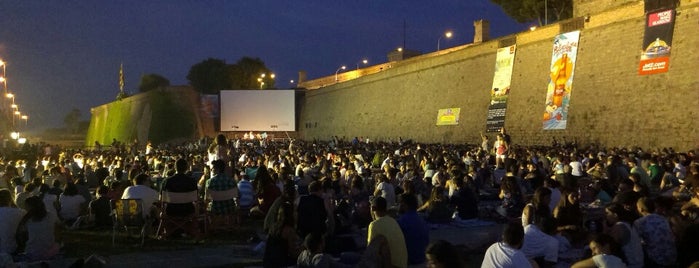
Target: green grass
[85, 242]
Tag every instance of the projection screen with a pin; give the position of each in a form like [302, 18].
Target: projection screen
[258, 110]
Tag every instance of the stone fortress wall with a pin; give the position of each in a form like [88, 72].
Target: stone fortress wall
[610, 103]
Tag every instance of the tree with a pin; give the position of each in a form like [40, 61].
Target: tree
[247, 71]
[72, 120]
[536, 10]
[152, 81]
[210, 76]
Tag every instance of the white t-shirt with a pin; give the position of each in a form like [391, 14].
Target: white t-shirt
[70, 206]
[539, 244]
[608, 261]
[145, 193]
[576, 168]
[10, 218]
[50, 203]
[387, 192]
[555, 198]
[42, 243]
[504, 256]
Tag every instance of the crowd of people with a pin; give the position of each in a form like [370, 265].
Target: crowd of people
[628, 206]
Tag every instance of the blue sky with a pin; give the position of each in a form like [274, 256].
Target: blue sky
[66, 54]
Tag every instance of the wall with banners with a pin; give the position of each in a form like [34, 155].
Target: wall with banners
[613, 105]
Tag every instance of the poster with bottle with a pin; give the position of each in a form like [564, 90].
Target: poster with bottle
[560, 86]
[657, 42]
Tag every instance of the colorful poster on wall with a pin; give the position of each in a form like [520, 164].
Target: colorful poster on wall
[657, 42]
[504, 61]
[565, 50]
[449, 116]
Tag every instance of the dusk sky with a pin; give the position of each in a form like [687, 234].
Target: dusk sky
[66, 54]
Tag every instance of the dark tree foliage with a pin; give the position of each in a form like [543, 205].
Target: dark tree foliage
[152, 81]
[535, 10]
[72, 120]
[246, 72]
[210, 76]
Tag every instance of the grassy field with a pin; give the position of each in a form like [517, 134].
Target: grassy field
[85, 242]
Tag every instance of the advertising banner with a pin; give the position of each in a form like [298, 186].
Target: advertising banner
[560, 86]
[449, 116]
[657, 42]
[500, 90]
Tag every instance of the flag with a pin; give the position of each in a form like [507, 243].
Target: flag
[121, 77]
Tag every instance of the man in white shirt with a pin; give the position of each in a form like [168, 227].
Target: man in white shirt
[506, 254]
[538, 243]
[141, 191]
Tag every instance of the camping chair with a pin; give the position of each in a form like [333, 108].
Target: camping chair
[128, 215]
[178, 222]
[226, 221]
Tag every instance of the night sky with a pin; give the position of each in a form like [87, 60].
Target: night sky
[66, 54]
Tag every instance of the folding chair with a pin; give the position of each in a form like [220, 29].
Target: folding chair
[225, 221]
[128, 215]
[178, 222]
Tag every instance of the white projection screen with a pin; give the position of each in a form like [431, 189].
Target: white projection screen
[258, 110]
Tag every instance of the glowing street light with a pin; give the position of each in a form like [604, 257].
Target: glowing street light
[364, 61]
[262, 79]
[338, 70]
[448, 34]
[14, 135]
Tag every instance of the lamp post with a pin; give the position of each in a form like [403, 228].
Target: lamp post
[447, 35]
[17, 114]
[364, 61]
[263, 77]
[338, 70]
[2, 78]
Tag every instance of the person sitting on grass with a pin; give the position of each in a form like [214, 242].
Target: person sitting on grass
[605, 253]
[100, 209]
[313, 256]
[442, 254]
[36, 231]
[11, 217]
[507, 254]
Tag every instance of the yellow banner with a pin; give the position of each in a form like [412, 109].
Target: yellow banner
[448, 116]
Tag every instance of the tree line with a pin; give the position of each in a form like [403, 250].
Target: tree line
[213, 75]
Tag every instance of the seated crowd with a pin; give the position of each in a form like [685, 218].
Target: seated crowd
[629, 207]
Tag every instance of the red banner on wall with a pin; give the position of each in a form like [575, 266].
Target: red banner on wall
[657, 42]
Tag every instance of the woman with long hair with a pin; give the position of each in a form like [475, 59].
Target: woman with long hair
[437, 207]
[281, 249]
[38, 227]
[512, 198]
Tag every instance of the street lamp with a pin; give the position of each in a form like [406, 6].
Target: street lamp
[338, 70]
[447, 35]
[263, 78]
[364, 61]
[25, 118]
